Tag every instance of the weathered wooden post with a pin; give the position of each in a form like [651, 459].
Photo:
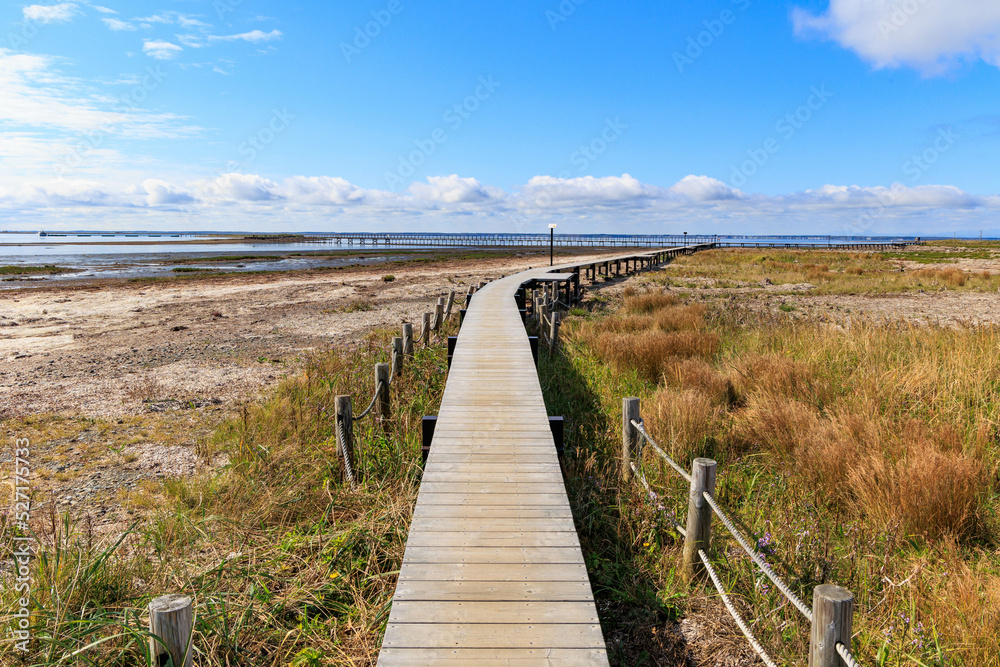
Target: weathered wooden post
[468, 296]
[833, 616]
[345, 437]
[397, 355]
[699, 518]
[630, 435]
[171, 618]
[382, 381]
[451, 302]
[545, 310]
[407, 339]
[554, 332]
[439, 314]
[425, 330]
[537, 310]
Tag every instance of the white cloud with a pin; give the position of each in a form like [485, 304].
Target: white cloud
[323, 190]
[51, 123]
[550, 191]
[104, 10]
[161, 50]
[188, 22]
[118, 25]
[166, 17]
[703, 188]
[254, 36]
[35, 94]
[61, 13]
[932, 36]
[453, 190]
[161, 193]
[238, 187]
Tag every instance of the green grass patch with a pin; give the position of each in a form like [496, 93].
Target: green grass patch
[19, 270]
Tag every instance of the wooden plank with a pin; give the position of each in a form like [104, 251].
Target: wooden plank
[492, 657]
[446, 536]
[495, 499]
[494, 591]
[496, 476]
[492, 572]
[501, 635]
[476, 524]
[529, 488]
[486, 555]
[494, 612]
[494, 512]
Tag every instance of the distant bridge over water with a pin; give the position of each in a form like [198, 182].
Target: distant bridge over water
[423, 239]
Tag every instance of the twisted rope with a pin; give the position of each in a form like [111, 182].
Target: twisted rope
[846, 655]
[652, 443]
[371, 405]
[348, 468]
[761, 563]
[736, 616]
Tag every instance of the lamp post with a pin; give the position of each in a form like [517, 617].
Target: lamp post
[685, 239]
[552, 240]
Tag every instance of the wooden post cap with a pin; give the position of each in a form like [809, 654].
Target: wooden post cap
[171, 618]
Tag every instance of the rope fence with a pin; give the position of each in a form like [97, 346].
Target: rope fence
[385, 374]
[833, 607]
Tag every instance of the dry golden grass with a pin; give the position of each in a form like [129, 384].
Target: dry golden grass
[881, 440]
[688, 420]
[652, 334]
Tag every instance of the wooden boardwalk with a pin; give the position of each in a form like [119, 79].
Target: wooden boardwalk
[493, 573]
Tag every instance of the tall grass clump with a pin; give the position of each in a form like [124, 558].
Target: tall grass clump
[864, 453]
[286, 563]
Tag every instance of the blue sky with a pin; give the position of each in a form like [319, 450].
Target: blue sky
[734, 116]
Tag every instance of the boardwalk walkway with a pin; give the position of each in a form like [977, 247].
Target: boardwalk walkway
[493, 573]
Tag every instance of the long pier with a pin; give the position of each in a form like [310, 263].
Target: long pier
[422, 239]
[428, 240]
[493, 573]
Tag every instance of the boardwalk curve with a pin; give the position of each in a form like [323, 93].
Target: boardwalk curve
[493, 573]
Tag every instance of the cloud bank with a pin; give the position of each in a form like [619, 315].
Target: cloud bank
[932, 36]
[699, 204]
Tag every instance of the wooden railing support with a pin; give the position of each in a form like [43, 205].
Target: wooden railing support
[451, 303]
[438, 314]
[382, 380]
[171, 618]
[345, 436]
[397, 354]
[407, 339]
[699, 517]
[425, 329]
[630, 435]
[833, 616]
[554, 332]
